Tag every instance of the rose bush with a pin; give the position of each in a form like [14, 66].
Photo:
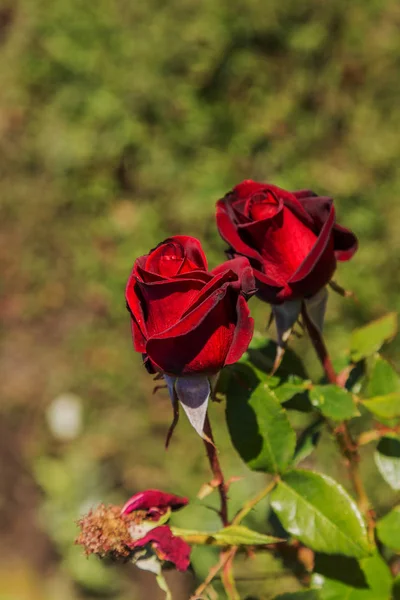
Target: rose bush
[290, 238]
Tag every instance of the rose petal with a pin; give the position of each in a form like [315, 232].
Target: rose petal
[200, 342]
[167, 301]
[167, 546]
[178, 254]
[243, 332]
[153, 499]
[134, 304]
[345, 243]
[228, 231]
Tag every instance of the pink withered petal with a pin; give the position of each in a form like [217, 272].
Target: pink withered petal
[151, 500]
[167, 546]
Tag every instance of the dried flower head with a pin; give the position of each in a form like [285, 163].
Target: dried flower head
[106, 532]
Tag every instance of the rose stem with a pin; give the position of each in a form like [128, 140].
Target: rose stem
[212, 456]
[223, 559]
[347, 445]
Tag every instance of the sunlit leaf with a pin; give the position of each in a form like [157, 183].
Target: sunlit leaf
[258, 425]
[387, 459]
[318, 511]
[388, 529]
[334, 402]
[376, 581]
[385, 407]
[367, 340]
[233, 535]
[238, 535]
[383, 379]
[292, 386]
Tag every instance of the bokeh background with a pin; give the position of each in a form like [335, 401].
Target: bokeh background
[121, 123]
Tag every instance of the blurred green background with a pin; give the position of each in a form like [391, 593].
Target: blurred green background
[122, 122]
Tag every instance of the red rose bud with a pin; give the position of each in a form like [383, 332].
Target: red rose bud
[292, 242]
[154, 502]
[187, 321]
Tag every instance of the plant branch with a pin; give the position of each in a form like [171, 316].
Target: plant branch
[224, 558]
[348, 447]
[218, 481]
[227, 578]
[250, 504]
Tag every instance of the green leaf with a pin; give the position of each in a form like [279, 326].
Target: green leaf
[239, 535]
[388, 529]
[383, 379]
[293, 385]
[376, 583]
[385, 407]
[233, 535]
[387, 459]
[308, 441]
[316, 509]
[303, 595]
[334, 402]
[258, 425]
[367, 340]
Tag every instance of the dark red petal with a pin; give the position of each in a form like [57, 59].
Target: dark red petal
[153, 499]
[304, 194]
[228, 230]
[318, 249]
[180, 253]
[345, 243]
[284, 242]
[166, 301]
[242, 334]
[193, 250]
[318, 207]
[167, 546]
[242, 268]
[247, 188]
[316, 279]
[267, 289]
[200, 342]
[134, 303]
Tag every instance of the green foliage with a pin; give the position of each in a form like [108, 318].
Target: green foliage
[370, 580]
[304, 595]
[384, 407]
[383, 379]
[308, 440]
[238, 535]
[367, 340]
[388, 529]
[387, 459]
[317, 510]
[259, 427]
[333, 402]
